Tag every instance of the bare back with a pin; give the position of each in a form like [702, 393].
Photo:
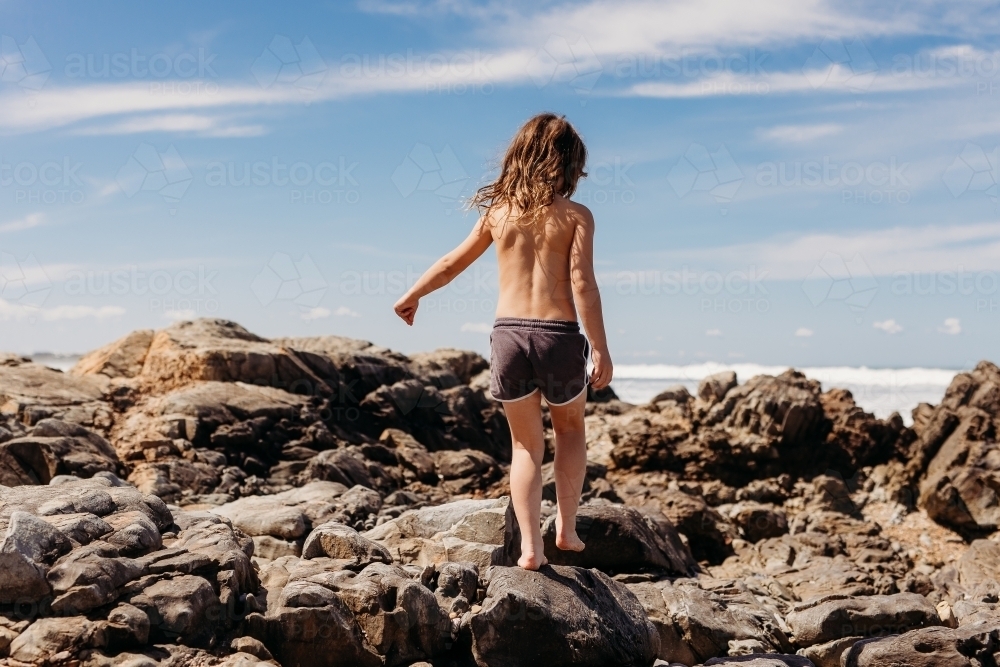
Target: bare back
[536, 261]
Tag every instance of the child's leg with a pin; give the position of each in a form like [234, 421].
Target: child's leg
[570, 468]
[525, 419]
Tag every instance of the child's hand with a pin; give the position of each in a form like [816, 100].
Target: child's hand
[600, 377]
[406, 308]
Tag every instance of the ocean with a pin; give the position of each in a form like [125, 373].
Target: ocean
[880, 391]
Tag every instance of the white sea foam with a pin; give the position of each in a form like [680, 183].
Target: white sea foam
[880, 391]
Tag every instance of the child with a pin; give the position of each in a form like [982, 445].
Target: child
[545, 246]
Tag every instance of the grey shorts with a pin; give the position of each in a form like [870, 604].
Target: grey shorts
[528, 355]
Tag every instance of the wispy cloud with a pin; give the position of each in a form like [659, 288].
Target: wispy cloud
[887, 252]
[798, 134]
[27, 222]
[202, 125]
[516, 37]
[16, 311]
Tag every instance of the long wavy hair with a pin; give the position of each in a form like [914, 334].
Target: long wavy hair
[545, 158]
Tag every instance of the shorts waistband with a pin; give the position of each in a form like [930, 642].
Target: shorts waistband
[557, 326]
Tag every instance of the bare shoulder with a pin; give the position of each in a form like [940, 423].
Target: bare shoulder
[579, 214]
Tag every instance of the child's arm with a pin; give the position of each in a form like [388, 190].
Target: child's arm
[444, 270]
[587, 297]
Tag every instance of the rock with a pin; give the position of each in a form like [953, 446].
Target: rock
[980, 564]
[30, 392]
[696, 624]
[251, 646]
[617, 538]
[90, 578]
[128, 626]
[34, 539]
[560, 615]
[714, 388]
[677, 393]
[338, 541]
[830, 653]
[758, 521]
[463, 463]
[123, 358]
[77, 451]
[21, 580]
[26, 461]
[448, 367]
[348, 618]
[341, 466]
[763, 660]
[955, 456]
[48, 637]
[263, 516]
[222, 351]
[824, 621]
[411, 454]
[709, 534]
[764, 428]
[134, 534]
[181, 608]
[464, 530]
[966, 646]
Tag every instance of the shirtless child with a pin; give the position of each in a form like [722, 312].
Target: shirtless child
[545, 247]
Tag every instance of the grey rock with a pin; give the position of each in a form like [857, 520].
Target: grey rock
[335, 540]
[974, 645]
[695, 624]
[558, 616]
[826, 620]
[617, 539]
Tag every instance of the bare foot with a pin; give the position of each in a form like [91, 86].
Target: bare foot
[530, 561]
[569, 541]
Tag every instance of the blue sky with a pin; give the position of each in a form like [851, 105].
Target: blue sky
[802, 183]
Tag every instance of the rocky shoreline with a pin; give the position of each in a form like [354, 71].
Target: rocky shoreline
[200, 495]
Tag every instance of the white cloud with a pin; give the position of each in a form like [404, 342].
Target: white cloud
[714, 332]
[344, 311]
[952, 326]
[477, 327]
[897, 252]
[199, 124]
[16, 311]
[27, 222]
[888, 326]
[729, 84]
[175, 315]
[317, 313]
[803, 332]
[614, 31]
[797, 134]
